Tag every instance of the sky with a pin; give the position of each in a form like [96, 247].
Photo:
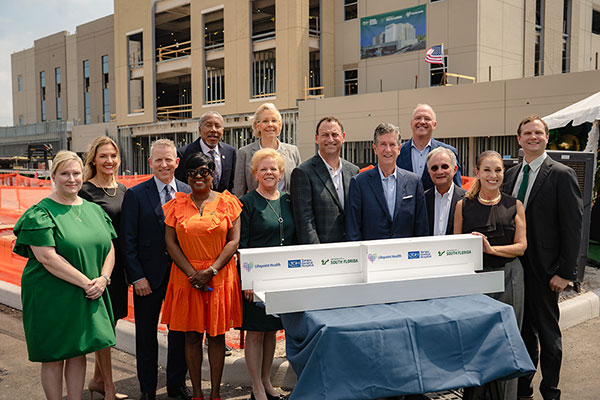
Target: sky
[23, 21]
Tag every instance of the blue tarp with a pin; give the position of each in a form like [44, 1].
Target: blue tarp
[403, 348]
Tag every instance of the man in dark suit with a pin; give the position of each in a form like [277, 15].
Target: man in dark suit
[553, 210]
[413, 154]
[319, 187]
[385, 202]
[441, 199]
[209, 143]
[148, 267]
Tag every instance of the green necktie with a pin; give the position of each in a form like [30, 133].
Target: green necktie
[523, 187]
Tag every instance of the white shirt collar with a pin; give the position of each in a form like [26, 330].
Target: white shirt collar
[205, 148]
[329, 167]
[450, 192]
[412, 144]
[161, 185]
[394, 174]
[537, 163]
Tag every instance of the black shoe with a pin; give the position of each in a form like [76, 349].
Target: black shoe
[181, 392]
[276, 397]
[148, 396]
[227, 351]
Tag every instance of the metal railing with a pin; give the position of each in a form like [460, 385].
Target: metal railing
[167, 113]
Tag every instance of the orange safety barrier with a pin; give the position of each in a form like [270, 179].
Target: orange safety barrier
[16, 179]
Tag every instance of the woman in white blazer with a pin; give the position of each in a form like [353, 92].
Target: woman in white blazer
[266, 125]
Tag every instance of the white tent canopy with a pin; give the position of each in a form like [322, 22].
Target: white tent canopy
[586, 110]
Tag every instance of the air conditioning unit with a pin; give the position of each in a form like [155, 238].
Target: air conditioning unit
[584, 166]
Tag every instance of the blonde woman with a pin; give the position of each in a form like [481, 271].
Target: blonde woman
[266, 125]
[100, 186]
[500, 221]
[66, 308]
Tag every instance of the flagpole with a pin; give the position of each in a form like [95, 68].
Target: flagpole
[444, 78]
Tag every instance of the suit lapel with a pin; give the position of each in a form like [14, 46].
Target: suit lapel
[154, 199]
[346, 175]
[323, 175]
[430, 204]
[400, 193]
[511, 179]
[455, 198]
[406, 159]
[377, 189]
[539, 180]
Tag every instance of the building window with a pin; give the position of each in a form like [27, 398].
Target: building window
[350, 82]
[58, 93]
[566, 37]
[314, 18]
[538, 61]
[19, 83]
[43, 94]
[134, 50]
[263, 19]
[314, 73]
[105, 90]
[436, 73]
[136, 95]
[596, 22]
[214, 58]
[350, 9]
[86, 92]
[263, 74]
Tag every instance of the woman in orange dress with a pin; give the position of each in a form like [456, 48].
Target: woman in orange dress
[204, 295]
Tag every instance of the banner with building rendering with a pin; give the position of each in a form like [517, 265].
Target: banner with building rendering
[393, 33]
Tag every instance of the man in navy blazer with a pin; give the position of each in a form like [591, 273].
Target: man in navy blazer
[413, 154]
[385, 202]
[211, 131]
[148, 267]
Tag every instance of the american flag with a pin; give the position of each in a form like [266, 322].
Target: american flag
[435, 55]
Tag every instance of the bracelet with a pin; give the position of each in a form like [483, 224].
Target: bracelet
[214, 270]
[107, 279]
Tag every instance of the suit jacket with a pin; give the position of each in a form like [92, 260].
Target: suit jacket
[404, 161]
[244, 180]
[318, 213]
[228, 159]
[554, 216]
[367, 214]
[142, 235]
[458, 194]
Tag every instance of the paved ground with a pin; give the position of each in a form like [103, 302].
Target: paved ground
[19, 378]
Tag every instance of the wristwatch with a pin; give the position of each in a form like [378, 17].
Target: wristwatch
[107, 279]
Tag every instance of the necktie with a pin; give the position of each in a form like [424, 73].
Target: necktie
[523, 187]
[168, 193]
[216, 175]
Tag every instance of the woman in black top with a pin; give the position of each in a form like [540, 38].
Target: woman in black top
[500, 221]
[100, 186]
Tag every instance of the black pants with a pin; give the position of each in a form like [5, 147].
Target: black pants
[147, 311]
[540, 327]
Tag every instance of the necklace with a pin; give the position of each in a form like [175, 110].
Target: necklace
[280, 220]
[484, 201]
[108, 194]
[97, 184]
[77, 217]
[200, 206]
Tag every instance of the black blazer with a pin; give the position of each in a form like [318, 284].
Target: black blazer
[228, 159]
[404, 161]
[318, 212]
[142, 235]
[554, 216]
[458, 194]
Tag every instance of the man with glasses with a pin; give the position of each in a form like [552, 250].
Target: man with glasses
[441, 199]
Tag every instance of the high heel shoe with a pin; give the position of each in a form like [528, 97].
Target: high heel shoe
[94, 387]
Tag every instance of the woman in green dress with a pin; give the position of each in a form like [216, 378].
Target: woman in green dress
[266, 221]
[66, 308]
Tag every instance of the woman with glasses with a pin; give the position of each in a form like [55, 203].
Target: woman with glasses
[204, 295]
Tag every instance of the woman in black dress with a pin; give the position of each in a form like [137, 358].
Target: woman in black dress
[266, 221]
[100, 186]
[500, 221]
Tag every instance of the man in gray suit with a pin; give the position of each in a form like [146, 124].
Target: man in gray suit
[319, 187]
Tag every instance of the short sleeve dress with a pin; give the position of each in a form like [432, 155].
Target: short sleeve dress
[261, 228]
[202, 238]
[59, 321]
[111, 204]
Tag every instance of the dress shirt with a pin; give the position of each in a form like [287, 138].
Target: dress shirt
[218, 164]
[442, 210]
[161, 188]
[419, 157]
[534, 166]
[281, 183]
[336, 178]
[389, 189]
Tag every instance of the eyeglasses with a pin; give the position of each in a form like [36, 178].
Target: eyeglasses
[436, 167]
[204, 172]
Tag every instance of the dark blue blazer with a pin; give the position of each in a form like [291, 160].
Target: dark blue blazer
[228, 160]
[367, 214]
[404, 161]
[142, 235]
